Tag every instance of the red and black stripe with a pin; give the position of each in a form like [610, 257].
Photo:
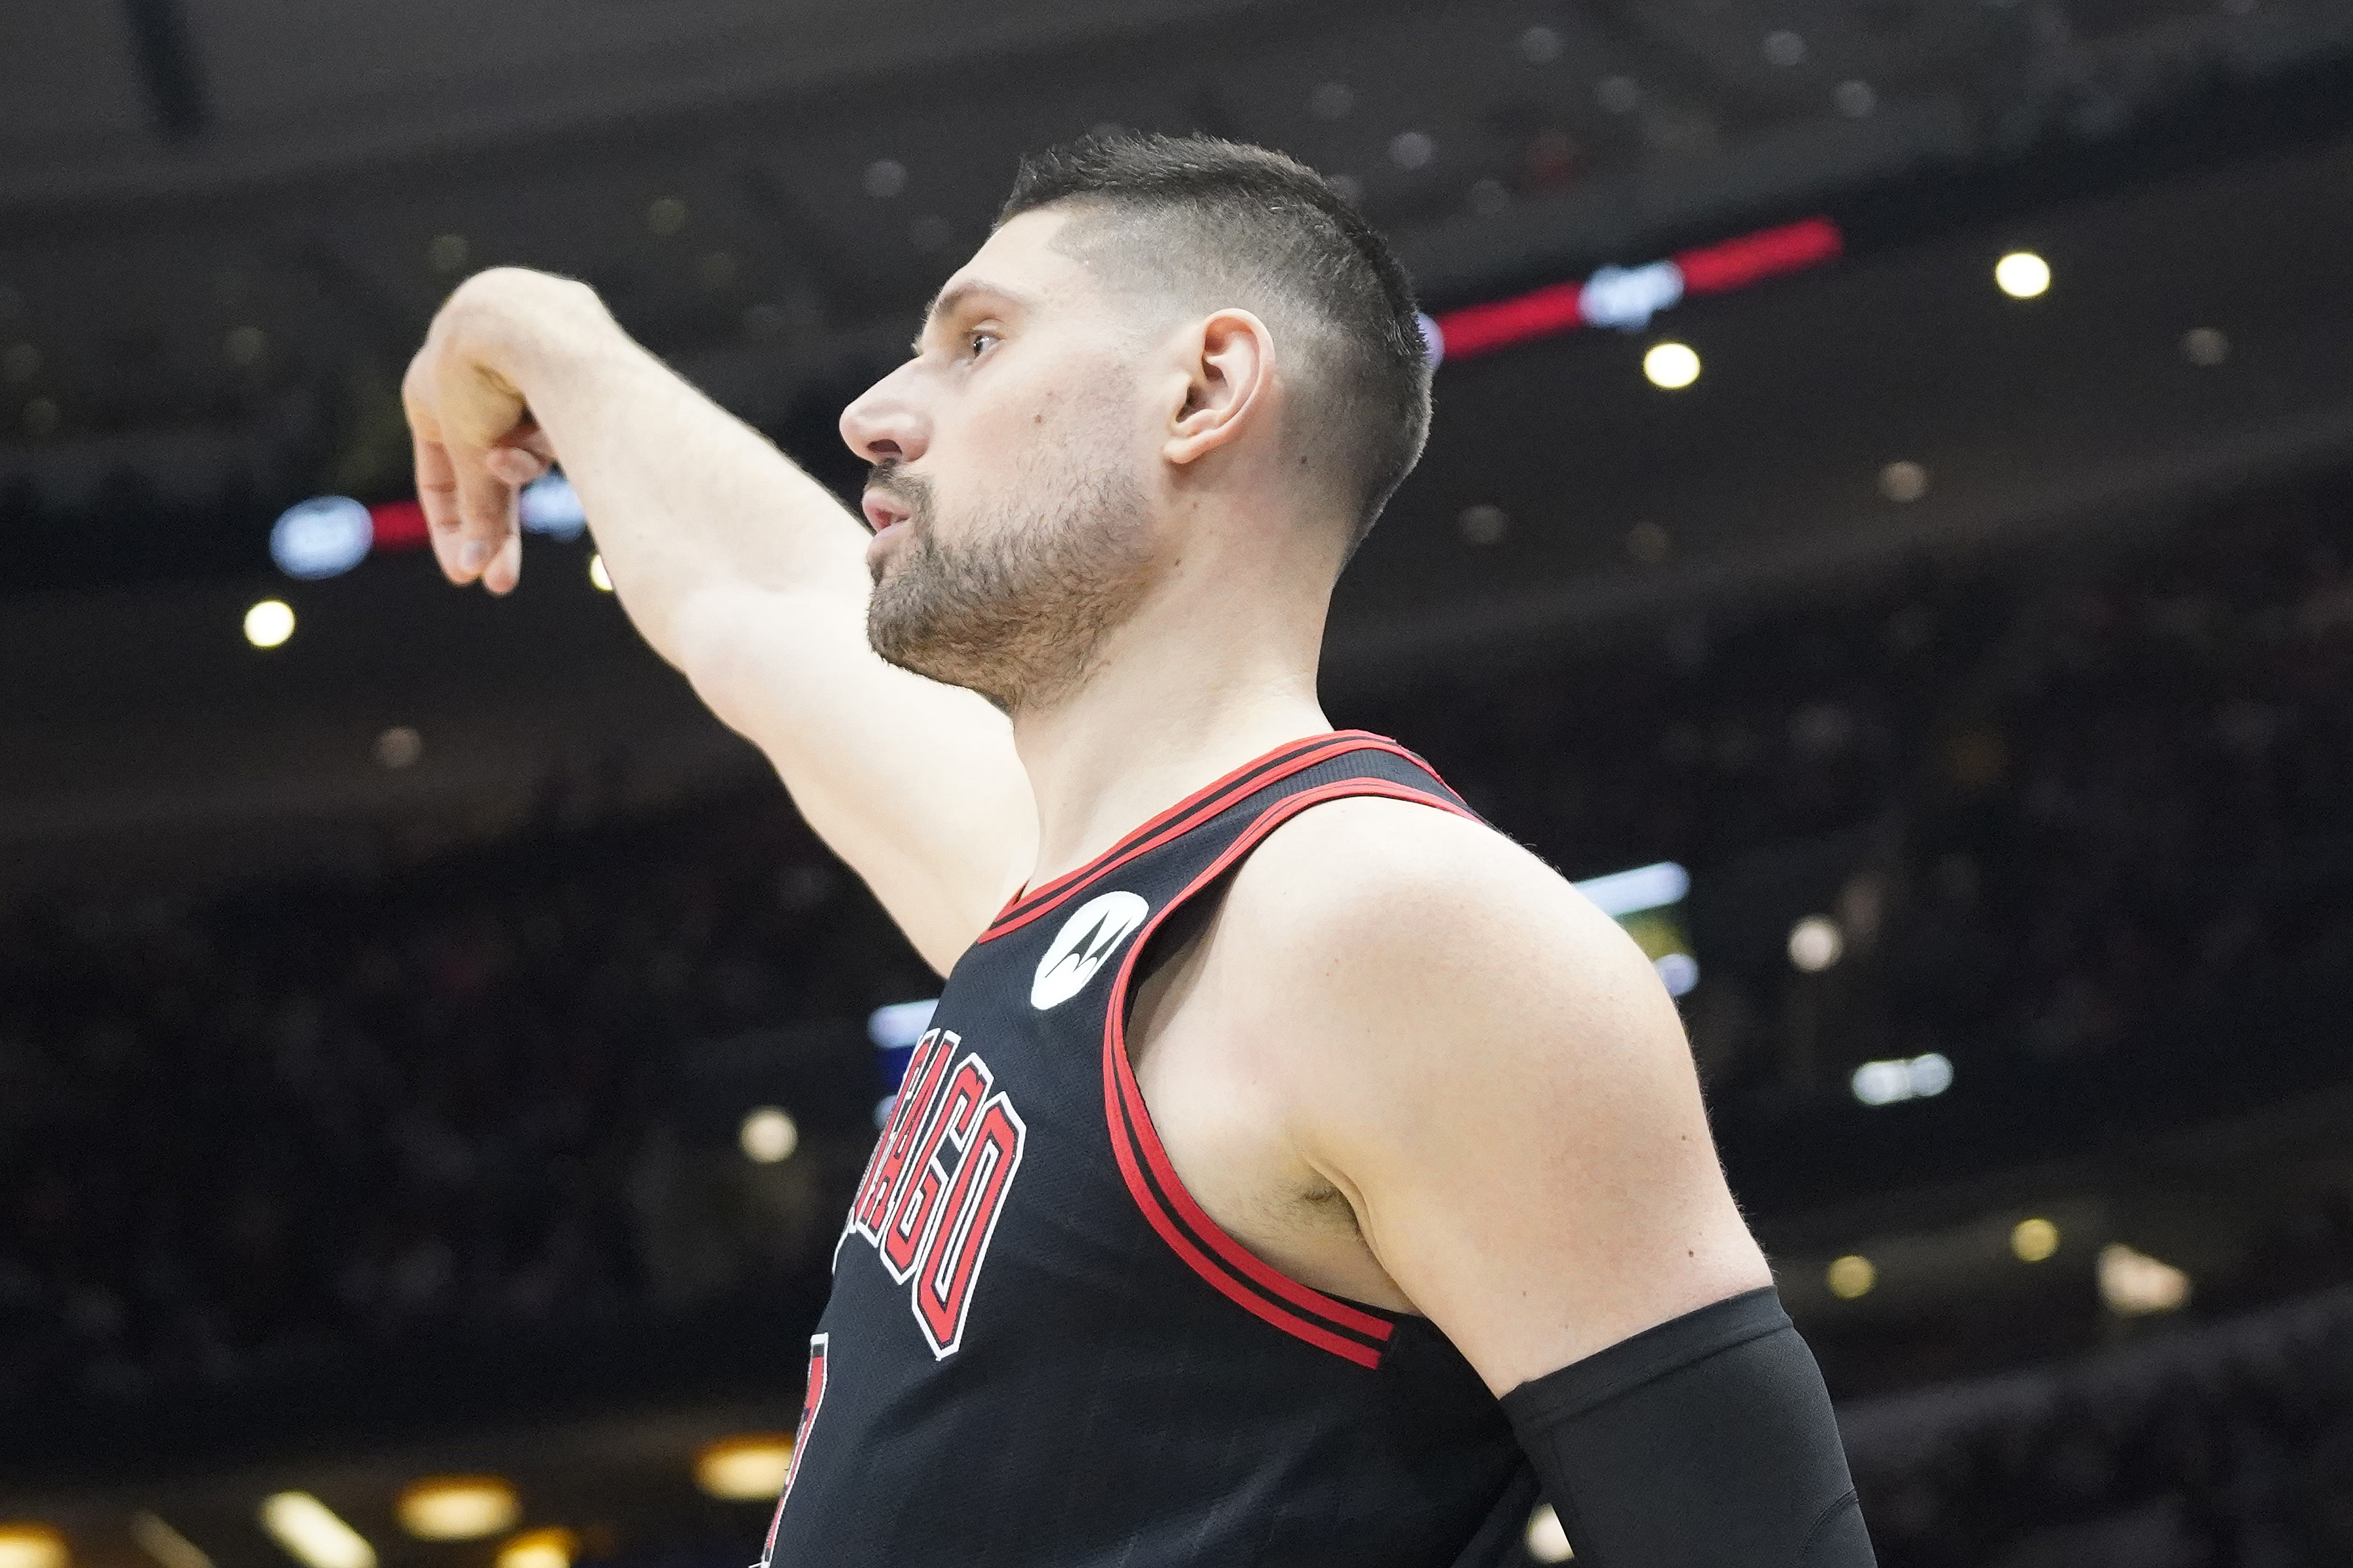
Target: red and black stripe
[1359, 1334]
[1190, 813]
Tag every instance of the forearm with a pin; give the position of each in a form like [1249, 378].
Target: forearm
[683, 499]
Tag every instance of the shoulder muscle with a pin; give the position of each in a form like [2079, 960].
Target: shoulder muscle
[1489, 1069]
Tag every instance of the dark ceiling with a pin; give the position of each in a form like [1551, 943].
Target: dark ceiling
[223, 223]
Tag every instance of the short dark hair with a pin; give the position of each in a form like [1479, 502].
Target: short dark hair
[1212, 214]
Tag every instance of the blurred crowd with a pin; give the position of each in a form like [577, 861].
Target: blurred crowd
[2064, 803]
[2229, 1445]
[334, 1115]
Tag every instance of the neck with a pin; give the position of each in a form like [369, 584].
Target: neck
[1199, 681]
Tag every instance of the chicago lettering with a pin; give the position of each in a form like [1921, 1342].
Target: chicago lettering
[932, 1224]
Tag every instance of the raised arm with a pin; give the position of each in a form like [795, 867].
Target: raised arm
[741, 570]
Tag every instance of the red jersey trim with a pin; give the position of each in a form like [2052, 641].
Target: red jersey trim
[1190, 813]
[1166, 1204]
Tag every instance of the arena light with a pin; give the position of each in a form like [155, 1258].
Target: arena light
[1546, 1540]
[1627, 297]
[546, 1548]
[328, 535]
[1851, 1277]
[1902, 1079]
[896, 1027]
[549, 506]
[314, 1534]
[2022, 275]
[1643, 888]
[2033, 1240]
[27, 1543]
[398, 747]
[270, 623]
[769, 1136]
[1816, 944]
[894, 1030]
[748, 1468]
[457, 1508]
[2135, 1285]
[166, 1545]
[1671, 366]
[325, 536]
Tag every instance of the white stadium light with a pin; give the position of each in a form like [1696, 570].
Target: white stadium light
[1546, 1540]
[1643, 888]
[166, 1545]
[1907, 1078]
[1931, 1075]
[2022, 275]
[1678, 972]
[2133, 1284]
[1672, 366]
[268, 623]
[550, 506]
[1816, 944]
[769, 1136]
[1628, 297]
[900, 1025]
[325, 536]
[312, 1533]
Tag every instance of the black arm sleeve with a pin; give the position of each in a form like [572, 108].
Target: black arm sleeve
[1706, 1442]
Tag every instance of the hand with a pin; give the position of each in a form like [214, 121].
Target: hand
[476, 443]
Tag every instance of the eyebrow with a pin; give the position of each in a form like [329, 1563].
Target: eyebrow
[955, 297]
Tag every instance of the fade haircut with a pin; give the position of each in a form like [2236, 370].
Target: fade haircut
[1220, 223]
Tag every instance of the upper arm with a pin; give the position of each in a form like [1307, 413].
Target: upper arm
[1492, 1073]
[915, 784]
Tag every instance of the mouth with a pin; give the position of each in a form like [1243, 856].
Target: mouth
[883, 512]
[888, 520]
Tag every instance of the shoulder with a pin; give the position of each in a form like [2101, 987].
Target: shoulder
[1381, 897]
[1491, 1072]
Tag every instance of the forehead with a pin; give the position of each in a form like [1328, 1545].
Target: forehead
[1021, 258]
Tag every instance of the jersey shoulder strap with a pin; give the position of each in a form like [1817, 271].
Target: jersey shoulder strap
[1227, 818]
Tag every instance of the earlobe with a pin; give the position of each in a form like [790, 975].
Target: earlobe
[1231, 369]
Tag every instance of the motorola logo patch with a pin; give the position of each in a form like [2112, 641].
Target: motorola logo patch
[1087, 941]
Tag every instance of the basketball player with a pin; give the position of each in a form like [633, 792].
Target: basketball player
[1297, 1170]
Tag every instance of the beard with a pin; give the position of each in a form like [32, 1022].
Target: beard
[1016, 611]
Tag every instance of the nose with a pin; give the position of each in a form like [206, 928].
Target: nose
[886, 422]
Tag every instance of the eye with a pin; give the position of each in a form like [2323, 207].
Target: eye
[976, 344]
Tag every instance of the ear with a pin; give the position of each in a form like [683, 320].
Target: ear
[1229, 382]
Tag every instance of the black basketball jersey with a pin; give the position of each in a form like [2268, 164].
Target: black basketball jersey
[1040, 1352]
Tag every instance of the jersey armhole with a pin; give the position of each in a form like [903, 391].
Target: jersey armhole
[1355, 1334]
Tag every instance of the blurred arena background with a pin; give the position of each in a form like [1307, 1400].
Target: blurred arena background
[1892, 489]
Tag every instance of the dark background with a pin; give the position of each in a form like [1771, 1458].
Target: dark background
[359, 1122]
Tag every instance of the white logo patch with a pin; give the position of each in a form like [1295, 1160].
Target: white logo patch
[1086, 945]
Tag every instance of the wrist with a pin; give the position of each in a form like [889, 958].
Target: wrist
[522, 326]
